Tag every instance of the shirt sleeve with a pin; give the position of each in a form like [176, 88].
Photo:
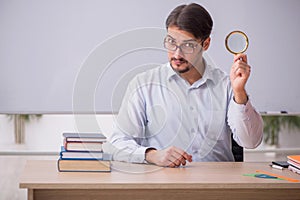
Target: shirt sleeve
[128, 132]
[246, 124]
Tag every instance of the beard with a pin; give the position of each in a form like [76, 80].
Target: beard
[177, 63]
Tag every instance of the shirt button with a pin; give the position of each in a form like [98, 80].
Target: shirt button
[191, 108]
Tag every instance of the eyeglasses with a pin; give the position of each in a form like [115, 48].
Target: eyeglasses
[185, 47]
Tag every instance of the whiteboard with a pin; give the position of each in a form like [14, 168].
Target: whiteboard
[65, 56]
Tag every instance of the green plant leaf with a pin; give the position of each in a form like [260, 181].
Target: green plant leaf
[274, 124]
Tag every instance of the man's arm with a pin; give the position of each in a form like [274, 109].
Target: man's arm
[169, 157]
[125, 148]
[128, 138]
[129, 127]
[246, 124]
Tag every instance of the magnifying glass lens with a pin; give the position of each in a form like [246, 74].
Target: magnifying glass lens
[236, 42]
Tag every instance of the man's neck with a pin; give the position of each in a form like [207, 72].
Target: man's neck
[191, 76]
[194, 74]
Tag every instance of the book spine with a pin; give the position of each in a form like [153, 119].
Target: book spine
[294, 163]
[83, 146]
[63, 149]
[62, 158]
[72, 169]
[58, 165]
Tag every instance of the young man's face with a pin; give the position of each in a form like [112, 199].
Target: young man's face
[189, 54]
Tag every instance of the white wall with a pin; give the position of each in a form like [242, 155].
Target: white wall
[45, 134]
[46, 43]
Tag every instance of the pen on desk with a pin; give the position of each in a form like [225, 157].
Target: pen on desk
[276, 167]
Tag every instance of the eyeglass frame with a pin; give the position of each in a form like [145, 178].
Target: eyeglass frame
[180, 46]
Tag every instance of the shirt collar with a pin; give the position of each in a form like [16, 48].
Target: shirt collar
[171, 74]
[208, 74]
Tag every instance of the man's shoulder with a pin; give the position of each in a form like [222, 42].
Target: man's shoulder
[217, 75]
[154, 72]
[154, 75]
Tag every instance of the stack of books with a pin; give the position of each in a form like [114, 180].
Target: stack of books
[294, 163]
[83, 152]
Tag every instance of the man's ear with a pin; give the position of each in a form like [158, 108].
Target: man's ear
[206, 43]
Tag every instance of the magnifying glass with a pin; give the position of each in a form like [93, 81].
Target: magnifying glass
[236, 42]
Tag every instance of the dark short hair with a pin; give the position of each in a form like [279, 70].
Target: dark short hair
[192, 18]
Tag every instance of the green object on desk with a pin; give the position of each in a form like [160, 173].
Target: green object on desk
[258, 175]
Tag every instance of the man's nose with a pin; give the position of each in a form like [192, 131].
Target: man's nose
[178, 53]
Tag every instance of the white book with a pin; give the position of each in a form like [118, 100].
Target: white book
[84, 137]
[294, 169]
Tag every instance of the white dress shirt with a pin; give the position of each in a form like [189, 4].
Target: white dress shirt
[161, 109]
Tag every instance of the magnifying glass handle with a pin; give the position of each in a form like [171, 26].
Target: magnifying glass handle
[240, 58]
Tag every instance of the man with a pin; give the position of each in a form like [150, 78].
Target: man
[186, 109]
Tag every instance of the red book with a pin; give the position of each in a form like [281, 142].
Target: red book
[83, 146]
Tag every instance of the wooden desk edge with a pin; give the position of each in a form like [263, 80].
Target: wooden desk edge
[160, 186]
[27, 182]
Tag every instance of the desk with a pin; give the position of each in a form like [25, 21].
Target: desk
[140, 181]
